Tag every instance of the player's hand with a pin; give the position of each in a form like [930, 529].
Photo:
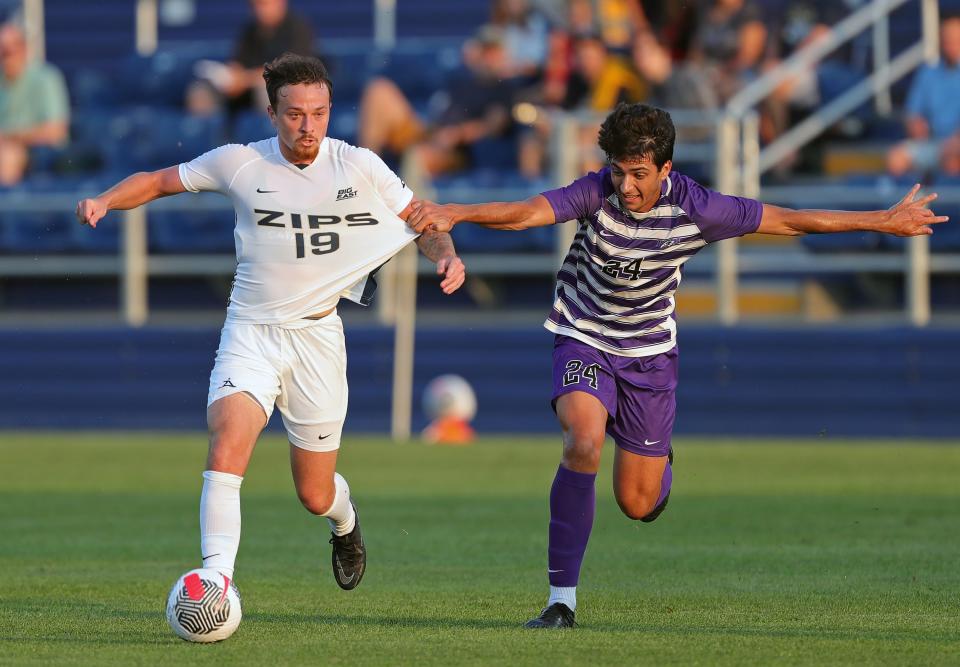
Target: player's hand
[454, 273]
[911, 217]
[426, 215]
[89, 211]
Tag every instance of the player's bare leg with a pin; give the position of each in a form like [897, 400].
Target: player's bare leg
[325, 492]
[234, 423]
[641, 484]
[572, 504]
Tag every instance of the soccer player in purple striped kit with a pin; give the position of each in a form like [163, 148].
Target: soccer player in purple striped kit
[615, 353]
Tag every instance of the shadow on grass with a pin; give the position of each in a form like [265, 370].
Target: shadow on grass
[38, 621]
[382, 621]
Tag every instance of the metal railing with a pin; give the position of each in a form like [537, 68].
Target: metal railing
[741, 161]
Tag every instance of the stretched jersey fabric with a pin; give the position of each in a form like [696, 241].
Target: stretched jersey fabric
[304, 237]
[615, 288]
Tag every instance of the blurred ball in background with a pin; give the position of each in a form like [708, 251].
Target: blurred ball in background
[450, 403]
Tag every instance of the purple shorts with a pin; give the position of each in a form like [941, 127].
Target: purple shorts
[639, 393]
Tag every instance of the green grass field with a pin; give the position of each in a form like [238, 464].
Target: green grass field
[770, 553]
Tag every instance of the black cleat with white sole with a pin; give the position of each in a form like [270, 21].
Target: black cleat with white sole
[557, 615]
[349, 556]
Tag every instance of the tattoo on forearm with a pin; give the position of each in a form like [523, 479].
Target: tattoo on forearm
[435, 245]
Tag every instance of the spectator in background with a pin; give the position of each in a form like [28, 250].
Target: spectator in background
[798, 25]
[601, 79]
[673, 22]
[34, 106]
[201, 100]
[617, 22]
[476, 105]
[933, 112]
[525, 33]
[273, 31]
[728, 46]
[587, 73]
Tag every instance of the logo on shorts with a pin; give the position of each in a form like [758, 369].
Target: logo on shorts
[647, 443]
[346, 193]
[227, 383]
[324, 437]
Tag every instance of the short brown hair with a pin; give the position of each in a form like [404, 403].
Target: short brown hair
[638, 130]
[290, 69]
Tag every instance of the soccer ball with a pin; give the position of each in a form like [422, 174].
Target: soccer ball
[449, 397]
[204, 606]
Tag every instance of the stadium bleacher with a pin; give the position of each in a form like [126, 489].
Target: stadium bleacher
[127, 107]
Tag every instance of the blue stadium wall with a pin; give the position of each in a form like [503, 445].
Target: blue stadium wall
[742, 381]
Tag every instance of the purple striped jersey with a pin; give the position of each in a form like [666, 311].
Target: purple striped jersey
[615, 288]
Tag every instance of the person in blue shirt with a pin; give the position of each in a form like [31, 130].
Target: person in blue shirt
[34, 106]
[933, 112]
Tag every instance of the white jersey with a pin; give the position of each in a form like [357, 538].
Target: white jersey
[304, 237]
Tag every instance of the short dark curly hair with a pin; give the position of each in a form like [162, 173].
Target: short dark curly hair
[290, 69]
[638, 130]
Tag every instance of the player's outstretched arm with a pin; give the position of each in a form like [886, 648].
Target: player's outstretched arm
[131, 192]
[908, 217]
[533, 212]
[438, 248]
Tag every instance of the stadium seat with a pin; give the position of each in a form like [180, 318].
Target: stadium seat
[93, 89]
[192, 231]
[251, 126]
[105, 239]
[834, 79]
[148, 138]
[158, 79]
[433, 18]
[419, 73]
[343, 123]
[472, 238]
[47, 232]
[496, 154]
[846, 242]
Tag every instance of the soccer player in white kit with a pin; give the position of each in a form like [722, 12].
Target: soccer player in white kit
[315, 217]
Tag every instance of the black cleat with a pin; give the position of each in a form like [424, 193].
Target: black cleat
[658, 510]
[557, 615]
[349, 556]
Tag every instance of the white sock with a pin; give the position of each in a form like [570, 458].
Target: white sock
[566, 595]
[220, 520]
[341, 515]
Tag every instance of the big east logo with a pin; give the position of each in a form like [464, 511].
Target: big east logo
[321, 242]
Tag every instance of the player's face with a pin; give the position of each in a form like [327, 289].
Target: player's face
[638, 182]
[301, 119]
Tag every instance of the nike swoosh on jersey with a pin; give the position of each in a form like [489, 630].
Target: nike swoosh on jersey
[263, 192]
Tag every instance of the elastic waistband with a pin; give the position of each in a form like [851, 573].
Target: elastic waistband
[302, 323]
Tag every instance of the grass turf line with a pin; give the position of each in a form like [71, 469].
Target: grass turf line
[770, 553]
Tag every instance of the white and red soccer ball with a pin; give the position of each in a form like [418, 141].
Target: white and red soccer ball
[204, 606]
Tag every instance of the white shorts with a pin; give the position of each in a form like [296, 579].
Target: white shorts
[301, 367]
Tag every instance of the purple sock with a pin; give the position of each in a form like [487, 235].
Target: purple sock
[665, 483]
[572, 504]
